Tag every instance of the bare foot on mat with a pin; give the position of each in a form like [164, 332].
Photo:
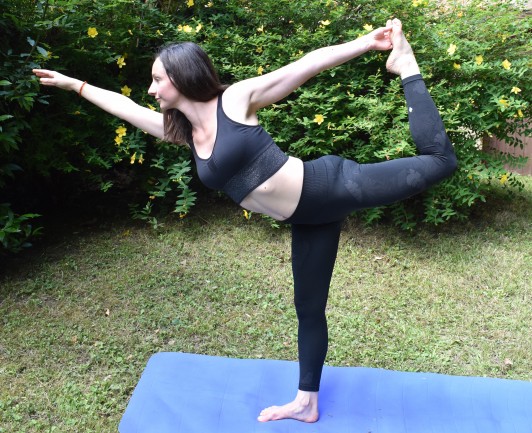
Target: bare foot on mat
[303, 408]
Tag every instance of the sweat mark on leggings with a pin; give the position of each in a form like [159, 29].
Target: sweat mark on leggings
[354, 189]
[365, 187]
[415, 179]
[441, 138]
[419, 87]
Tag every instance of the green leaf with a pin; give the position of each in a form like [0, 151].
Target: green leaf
[42, 51]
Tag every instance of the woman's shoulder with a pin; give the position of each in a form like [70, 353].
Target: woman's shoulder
[236, 104]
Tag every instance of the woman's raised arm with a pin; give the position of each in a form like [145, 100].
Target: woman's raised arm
[114, 103]
[258, 92]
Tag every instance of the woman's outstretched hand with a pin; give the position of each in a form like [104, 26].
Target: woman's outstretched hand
[380, 39]
[55, 79]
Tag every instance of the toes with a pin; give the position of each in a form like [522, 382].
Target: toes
[265, 411]
[266, 415]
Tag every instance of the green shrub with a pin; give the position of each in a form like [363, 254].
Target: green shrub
[473, 57]
[18, 52]
[15, 230]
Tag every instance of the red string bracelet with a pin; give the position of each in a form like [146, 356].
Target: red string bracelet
[81, 88]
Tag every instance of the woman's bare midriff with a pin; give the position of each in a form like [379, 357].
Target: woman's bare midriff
[279, 196]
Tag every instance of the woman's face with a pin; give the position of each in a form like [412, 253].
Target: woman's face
[162, 88]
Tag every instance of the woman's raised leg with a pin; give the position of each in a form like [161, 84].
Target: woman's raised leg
[386, 182]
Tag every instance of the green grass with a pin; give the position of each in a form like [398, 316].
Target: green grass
[81, 315]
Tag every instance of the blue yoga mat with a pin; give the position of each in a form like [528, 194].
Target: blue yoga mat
[185, 393]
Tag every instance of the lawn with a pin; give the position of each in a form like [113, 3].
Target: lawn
[81, 314]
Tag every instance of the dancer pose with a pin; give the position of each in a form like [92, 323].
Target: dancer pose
[234, 154]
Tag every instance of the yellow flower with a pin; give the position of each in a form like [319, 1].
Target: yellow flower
[151, 107]
[259, 50]
[503, 179]
[118, 140]
[479, 60]
[141, 159]
[368, 27]
[457, 65]
[519, 113]
[260, 70]
[515, 90]
[506, 64]
[210, 4]
[126, 91]
[325, 23]
[130, 32]
[503, 102]
[460, 14]
[247, 215]
[452, 49]
[92, 32]
[190, 3]
[133, 157]
[121, 62]
[158, 33]
[151, 197]
[199, 27]
[187, 29]
[261, 29]
[319, 119]
[121, 131]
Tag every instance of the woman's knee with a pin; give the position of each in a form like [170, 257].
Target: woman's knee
[450, 164]
[310, 309]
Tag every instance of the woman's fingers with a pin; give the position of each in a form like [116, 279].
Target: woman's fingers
[48, 78]
[44, 73]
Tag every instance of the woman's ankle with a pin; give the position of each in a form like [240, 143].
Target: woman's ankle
[410, 71]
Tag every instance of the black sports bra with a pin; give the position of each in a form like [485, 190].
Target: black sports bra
[243, 157]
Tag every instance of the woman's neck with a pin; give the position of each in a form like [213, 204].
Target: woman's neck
[201, 115]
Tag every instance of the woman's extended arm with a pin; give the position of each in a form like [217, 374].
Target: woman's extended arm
[267, 89]
[114, 103]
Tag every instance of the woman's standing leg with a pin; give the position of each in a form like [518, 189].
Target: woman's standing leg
[314, 249]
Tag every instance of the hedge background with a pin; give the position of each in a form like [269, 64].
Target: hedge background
[55, 147]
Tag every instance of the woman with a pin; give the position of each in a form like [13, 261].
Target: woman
[233, 153]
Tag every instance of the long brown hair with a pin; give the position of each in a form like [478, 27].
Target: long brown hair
[193, 74]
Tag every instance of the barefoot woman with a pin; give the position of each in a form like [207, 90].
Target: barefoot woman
[234, 154]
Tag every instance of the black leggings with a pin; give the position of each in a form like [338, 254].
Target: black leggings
[333, 188]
